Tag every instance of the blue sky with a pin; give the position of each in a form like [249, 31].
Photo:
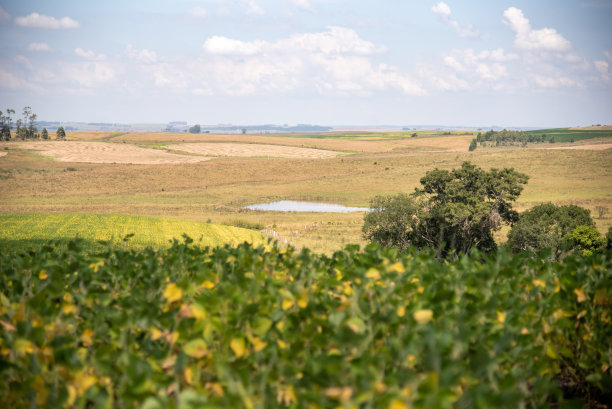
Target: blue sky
[328, 62]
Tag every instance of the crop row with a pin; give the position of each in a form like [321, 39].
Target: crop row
[253, 327]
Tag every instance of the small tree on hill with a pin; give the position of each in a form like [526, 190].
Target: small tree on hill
[60, 133]
[453, 212]
[194, 129]
[44, 134]
[473, 145]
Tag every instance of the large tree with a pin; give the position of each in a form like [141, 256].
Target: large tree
[452, 212]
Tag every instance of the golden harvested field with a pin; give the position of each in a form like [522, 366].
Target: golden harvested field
[348, 143]
[252, 150]
[100, 152]
[217, 190]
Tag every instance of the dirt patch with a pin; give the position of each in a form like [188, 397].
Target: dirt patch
[253, 150]
[3, 154]
[99, 152]
[590, 147]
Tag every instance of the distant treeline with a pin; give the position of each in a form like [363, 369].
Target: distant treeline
[26, 127]
[522, 138]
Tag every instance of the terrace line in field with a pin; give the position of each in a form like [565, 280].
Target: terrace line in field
[99, 152]
[254, 150]
[293, 206]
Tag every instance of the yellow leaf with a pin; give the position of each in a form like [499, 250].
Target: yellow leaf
[195, 348]
[286, 304]
[524, 331]
[188, 372]
[373, 273]
[550, 351]
[539, 283]
[86, 337]
[24, 346]
[281, 344]
[580, 294]
[401, 311]
[198, 312]
[501, 317]
[303, 301]
[286, 395]
[600, 297]
[72, 395]
[423, 316]
[238, 346]
[172, 337]
[396, 267]
[43, 275]
[173, 293]
[342, 394]
[215, 388]
[258, 344]
[207, 284]
[69, 309]
[398, 404]
[156, 334]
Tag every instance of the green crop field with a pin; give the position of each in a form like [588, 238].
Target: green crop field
[20, 231]
[569, 135]
[255, 328]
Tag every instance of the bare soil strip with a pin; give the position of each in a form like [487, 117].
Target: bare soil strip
[99, 152]
[253, 150]
[2, 154]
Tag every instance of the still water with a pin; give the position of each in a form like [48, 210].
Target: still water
[293, 206]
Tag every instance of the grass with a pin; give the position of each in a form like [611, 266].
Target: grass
[19, 231]
[218, 189]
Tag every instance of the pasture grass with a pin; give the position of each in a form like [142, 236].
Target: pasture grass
[218, 189]
[20, 231]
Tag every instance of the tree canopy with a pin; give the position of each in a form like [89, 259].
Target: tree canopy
[452, 212]
[549, 226]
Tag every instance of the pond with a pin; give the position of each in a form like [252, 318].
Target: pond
[293, 206]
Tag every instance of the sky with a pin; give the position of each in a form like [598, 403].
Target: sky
[520, 63]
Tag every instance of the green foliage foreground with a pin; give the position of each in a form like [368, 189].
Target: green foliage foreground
[233, 327]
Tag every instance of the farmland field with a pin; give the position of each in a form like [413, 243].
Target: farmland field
[218, 189]
[28, 230]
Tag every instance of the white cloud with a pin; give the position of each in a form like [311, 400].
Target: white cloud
[545, 39]
[302, 4]
[90, 55]
[10, 81]
[88, 74]
[336, 60]
[143, 55]
[443, 11]
[603, 68]
[39, 47]
[336, 40]
[227, 46]
[252, 7]
[41, 21]
[4, 15]
[198, 12]
[453, 63]
[555, 82]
